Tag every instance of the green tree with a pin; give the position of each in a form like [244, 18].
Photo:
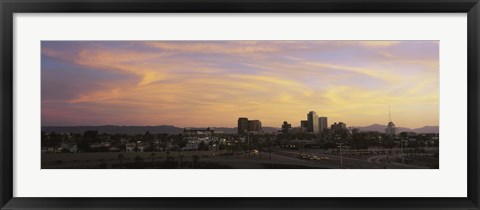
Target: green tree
[90, 136]
[179, 141]
[221, 146]
[202, 146]
[150, 139]
[45, 141]
[55, 140]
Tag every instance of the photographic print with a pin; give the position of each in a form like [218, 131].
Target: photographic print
[255, 104]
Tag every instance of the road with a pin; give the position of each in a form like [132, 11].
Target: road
[282, 160]
[382, 161]
[277, 159]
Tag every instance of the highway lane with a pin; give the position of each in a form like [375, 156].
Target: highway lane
[291, 158]
[382, 161]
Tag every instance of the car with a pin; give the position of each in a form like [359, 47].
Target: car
[324, 158]
[304, 156]
[314, 157]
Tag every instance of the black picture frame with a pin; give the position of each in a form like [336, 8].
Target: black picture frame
[10, 7]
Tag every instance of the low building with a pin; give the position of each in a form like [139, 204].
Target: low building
[249, 126]
[68, 147]
[286, 127]
[198, 131]
[254, 126]
[339, 128]
[304, 126]
[132, 147]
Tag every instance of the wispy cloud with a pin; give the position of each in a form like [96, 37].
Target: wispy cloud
[234, 48]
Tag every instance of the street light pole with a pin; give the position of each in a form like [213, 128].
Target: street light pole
[402, 151]
[248, 143]
[341, 155]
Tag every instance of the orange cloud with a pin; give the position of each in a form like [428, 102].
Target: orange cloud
[237, 47]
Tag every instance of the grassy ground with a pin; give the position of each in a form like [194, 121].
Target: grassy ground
[93, 160]
[172, 160]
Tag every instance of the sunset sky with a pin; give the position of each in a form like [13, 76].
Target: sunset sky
[212, 83]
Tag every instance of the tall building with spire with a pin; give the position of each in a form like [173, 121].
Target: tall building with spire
[390, 130]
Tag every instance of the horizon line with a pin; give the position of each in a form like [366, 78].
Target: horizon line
[356, 126]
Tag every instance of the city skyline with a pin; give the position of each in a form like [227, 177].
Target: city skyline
[212, 83]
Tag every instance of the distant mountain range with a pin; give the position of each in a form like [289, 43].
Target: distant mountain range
[112, 129]
[381, 128]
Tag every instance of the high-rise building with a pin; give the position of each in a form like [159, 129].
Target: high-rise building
[254, 126]
[390, 130]
[286, 127]
[245, 126]
[242, 125]
[322, 124]
[312, 119]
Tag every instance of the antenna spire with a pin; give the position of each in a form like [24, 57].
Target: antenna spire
[389, 114]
